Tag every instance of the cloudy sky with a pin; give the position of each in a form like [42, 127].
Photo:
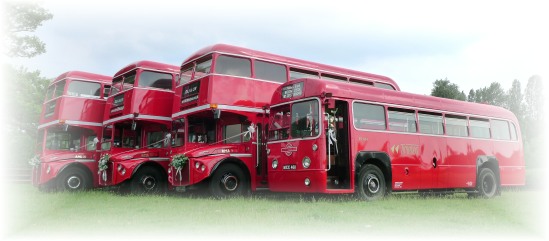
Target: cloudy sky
[413, 42]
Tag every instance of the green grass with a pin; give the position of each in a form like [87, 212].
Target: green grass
[106, 214]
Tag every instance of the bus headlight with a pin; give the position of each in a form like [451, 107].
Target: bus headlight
[121, 169]
[275, 164]
[315, 147]
[307, 182]
[306, 162]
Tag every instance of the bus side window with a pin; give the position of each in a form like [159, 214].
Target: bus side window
[480, 128]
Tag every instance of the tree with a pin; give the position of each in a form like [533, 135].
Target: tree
[471, 96]
[534, 99]
[24, 89]
[445, 89]
[515, 101]
[22, 19]
[492, 95]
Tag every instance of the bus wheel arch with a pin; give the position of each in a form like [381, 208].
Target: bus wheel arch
[74, 177]
[379, 159]
[229, 177]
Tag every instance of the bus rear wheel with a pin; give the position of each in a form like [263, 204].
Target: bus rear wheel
[371, 183]
[73, 179]
[228, 180]
[148, 180]
[487, 185]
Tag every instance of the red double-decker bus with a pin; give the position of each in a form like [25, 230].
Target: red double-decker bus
[137, 121]
[220, 113]
[69, 127]
[328, 137]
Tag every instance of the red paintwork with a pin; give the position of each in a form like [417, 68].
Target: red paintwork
[154, 109]
[238, 97]
[289, 62]
[456, 156]
[81, 112]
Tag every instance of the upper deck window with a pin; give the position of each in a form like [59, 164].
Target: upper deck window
[362, 82]
[84, 89]
[106, 91]
[402, 120]
[269, 71]
[500, 130]
[430, 123]
[367, 116]
[383, 86]
[155, 80]
[122, 83]
[186, 73]
[49, 94]
[59, 88]
[233, 66]
[299, 73]
[203, 67]
[332, 77]
[480, 128]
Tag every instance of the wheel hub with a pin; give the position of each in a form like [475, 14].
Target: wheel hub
[230, 182]
[73, 182]
[148, 183]
[372, 182]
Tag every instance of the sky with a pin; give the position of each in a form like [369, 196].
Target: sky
[471, 43]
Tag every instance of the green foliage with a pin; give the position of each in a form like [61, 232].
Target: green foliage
[445, 89]
[515, 100]
[25, 89]
[492, 95]
[22, 19]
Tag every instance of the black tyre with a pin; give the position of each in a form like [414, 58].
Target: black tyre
[73, 179]
[148, 180]
[229, 180]
[487, 184]
[370, 183]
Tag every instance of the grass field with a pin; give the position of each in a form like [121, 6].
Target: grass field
[104, 214]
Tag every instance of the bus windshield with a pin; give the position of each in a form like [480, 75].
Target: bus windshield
[69, 140]
[155, 80]
[201, 130]
[297, 120]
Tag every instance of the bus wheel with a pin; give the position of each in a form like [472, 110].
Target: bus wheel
[487, 185]
[148, 180]
[228, 180]
[371, 183]
[73, 179]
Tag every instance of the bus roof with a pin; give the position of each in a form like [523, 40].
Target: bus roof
[315, 87]
[84, 76]
[225, 48]
[146, 64]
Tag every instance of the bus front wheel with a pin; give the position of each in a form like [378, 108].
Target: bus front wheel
[73, 179]
[148, 180]
[228, 180]
[371, 183]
